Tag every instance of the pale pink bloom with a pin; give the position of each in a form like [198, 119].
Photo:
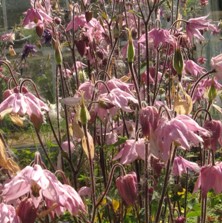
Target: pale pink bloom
[78, 22]
[192, 68]
[8, 214]
[41, 185]
[127, 188]
[121, 99]
[34, 15]
[111, 138]
[131, 151]
[8, 37]
[149, 118]
[210, 177]
[87, 87]
[215, 129]
[85, 191]
[203, 86]
[181, 166]
[216, 64]
[195, 25]
[24, 104]
[65, 147]
[159, 37]
[182, 129]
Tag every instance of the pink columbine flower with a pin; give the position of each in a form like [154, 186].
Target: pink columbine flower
[85, 191]
[210, 177]
[41, 184]
[182, 129]
[33, 16]
[24, 103]
[181, 165]
[131, 151]
[148, 117]
[78, 22]
[195, 25]
[216, 64]
[65, 147]
[8, 37]
[127, 188]
[203, 2]
[158, 37]
[8, 214]
[215, 128]
[192, 68]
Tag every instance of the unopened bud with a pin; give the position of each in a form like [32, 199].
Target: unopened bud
[178, 62]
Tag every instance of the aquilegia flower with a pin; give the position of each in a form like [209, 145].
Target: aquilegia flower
[28, 49]
[148, 117]
[192, 68]
[195, 25]
[131, 151]
[41, 184]
[8, 214]
[182, 129]
[215, 128]
[127, 187]
[210, 177]
[181, 165]
[216, 64]
[24, 103]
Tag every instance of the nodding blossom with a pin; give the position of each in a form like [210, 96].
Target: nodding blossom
[196, 25]
[182, 130]
[216, 64]
[41, 186]
[210, 177]
[181, 166]
[28, 49]
[127, 187]
[23, 103]
[8, 214]
[192, 68]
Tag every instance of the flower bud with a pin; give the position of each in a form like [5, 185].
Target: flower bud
[26, 211]
[127, 188]
[88, 15]
[180, 219]
[178, 62]
[130, 48]
[65, 146]
[39, 29]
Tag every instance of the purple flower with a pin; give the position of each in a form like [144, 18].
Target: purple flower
[127, 188]
[27, 49]
[46, 36]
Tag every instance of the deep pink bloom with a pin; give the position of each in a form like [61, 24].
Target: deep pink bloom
[210, 177]
[181, 165]
[192, 68]
[195, 25]
[127, 188]
[158, 37]
[27, 211]
[8, 214]
[131, 151]
[181, 129]
[215, 128]
[180, 219]
[148, 117]
[203, 2]
[41, 185]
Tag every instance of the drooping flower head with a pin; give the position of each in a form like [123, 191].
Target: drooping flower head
[210, 177]
[192, 68]
[8, 214]
[195, 25]
[181, 166]
[127, 188]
